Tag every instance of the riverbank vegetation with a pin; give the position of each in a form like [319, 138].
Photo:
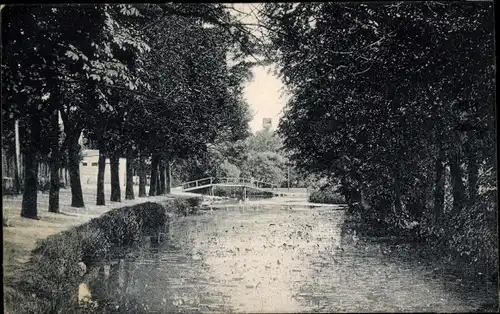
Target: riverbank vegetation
[52, 275]
[400, 113]
[258, 156]
[326, 195]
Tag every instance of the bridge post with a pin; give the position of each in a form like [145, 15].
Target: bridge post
[244, 193]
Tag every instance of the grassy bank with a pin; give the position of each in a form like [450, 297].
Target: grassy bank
[20, 235]
[48, 281]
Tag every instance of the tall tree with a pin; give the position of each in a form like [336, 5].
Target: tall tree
[386, 137]
[54, 163]
[59, 58]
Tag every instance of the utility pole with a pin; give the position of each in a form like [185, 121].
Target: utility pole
[169, 176]
[17, 167]
[288, 184]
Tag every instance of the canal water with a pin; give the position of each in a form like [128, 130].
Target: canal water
[277, 258]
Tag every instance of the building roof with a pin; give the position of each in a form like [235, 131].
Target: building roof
[90, 152]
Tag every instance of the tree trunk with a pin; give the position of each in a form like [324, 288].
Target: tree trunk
[29, 203]
[46, 172]
[142, 177]
[115, 179]
[415, 207]
[168, 185]
[54, 164]
[154, 176]
[439, 187]
[61, 174]
[5, 166]
[398, 208]
[345, 190]
[397, 195]
[74, 170]
[66, 178]
[17, 177]
[129, 189]
[158, 181]
[17, 160]
[472, 175]
[355, 195]
[54, 187]
[162, 177]
[457, 184]
[30, 161]
[362, 200]
[66, 175]
[101, 171]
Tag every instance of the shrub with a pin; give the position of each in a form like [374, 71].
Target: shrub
[326, 195]
[227, 191]
[472, 237]
[152, 215]
[181, 206]
[121, 228]
[52, 275]
[194, 201]
[188, 205]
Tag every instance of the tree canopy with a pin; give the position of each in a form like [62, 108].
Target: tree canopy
[381, 92]
[160, 80]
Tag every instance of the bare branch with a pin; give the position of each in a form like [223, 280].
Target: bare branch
[364, 71]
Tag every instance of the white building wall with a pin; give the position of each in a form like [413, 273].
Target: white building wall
[89, 168]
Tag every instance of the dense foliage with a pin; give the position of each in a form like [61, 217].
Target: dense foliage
[395, 102]
[48, 282]
[145, 81]
[258, 156]
[326, 196]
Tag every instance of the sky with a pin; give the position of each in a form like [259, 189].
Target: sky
[263, 92]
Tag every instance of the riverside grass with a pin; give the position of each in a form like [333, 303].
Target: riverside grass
[51, 277]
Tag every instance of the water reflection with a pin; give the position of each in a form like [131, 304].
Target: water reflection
[267, 259]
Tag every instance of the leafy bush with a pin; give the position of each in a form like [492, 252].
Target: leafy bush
[227, 191]
[468, 241]
[326, 196]
[187, 205]
[181, 206]
[470, 238]
[151, 215]
[52, 273]
[227, 169]
[194, 201]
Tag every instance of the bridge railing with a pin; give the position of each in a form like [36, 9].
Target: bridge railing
[229, 180]
[244, 181]
[196, 183]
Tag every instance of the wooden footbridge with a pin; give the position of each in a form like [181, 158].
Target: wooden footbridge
[244, 183]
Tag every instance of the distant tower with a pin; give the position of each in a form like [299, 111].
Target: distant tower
[266, 123]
